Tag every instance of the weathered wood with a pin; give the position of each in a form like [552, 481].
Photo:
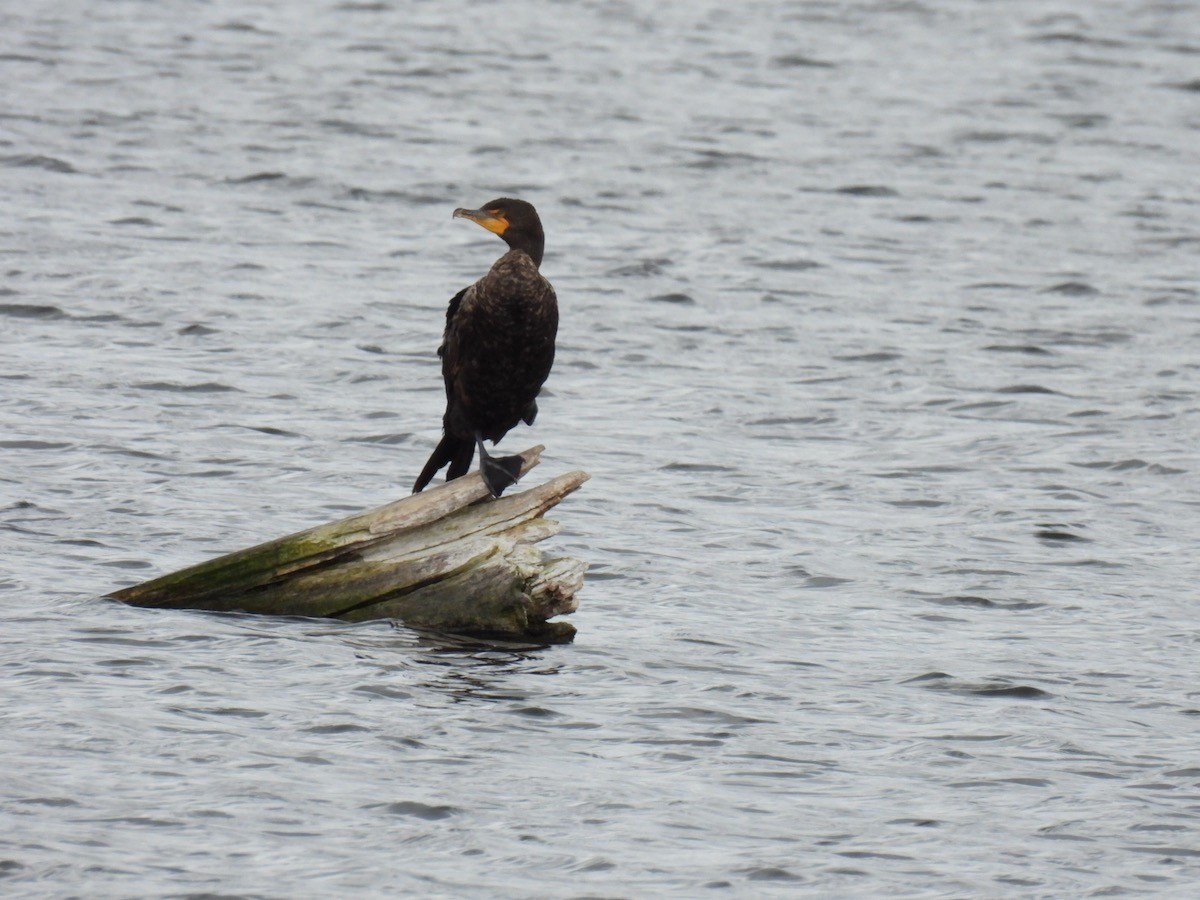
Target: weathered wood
[448, 559]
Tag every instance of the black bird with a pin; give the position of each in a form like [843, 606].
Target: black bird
[497, 349]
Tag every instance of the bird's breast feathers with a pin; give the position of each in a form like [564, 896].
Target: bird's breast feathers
[513, 279]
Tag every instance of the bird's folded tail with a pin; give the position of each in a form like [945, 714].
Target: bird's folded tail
[458, 452]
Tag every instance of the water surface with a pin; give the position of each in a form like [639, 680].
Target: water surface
[878, 340]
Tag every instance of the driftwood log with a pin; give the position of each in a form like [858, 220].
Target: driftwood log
[448, 559]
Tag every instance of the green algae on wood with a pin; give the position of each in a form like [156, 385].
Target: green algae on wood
[448, 559]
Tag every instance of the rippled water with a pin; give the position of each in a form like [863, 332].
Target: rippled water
[879, 329]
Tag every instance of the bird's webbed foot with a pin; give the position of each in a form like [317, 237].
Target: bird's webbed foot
[499, 472]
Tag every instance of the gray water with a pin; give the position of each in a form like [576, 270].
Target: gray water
[878, 339]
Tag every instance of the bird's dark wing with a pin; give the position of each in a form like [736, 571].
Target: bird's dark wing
[451, 312]
[456, 353]
[457, 446]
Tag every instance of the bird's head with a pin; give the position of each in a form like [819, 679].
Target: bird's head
[515, 221]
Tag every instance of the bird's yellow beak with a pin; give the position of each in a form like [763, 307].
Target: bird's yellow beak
[492, 221]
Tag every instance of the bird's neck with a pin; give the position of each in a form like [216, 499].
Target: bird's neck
[534, 246]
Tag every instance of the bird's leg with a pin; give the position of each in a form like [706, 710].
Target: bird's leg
[498, 472]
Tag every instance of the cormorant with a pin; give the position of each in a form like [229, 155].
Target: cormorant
[497, 349]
